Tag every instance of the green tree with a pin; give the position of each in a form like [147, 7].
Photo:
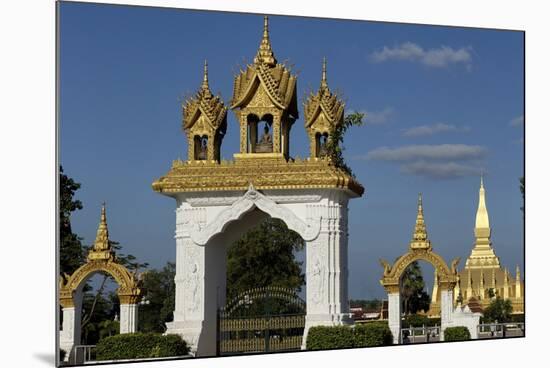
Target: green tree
[96, 308]
[264, 256]
[335, 144]
[500, 310]
[71, 255]
[374, 304]
[159, 298]
[414, 297]
[108, 328]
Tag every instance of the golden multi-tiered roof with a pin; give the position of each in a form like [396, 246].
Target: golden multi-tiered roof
[204, 122]
[275, 79]
[323, 111]
[265, 104]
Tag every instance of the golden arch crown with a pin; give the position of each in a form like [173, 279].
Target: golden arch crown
[420, 248]
[101, 258]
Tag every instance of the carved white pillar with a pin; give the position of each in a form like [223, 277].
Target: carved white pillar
[189, 282]
[327, 266]
[394, 315]
[69, 336]
[446, 311]
[128, 318]
[200, 283]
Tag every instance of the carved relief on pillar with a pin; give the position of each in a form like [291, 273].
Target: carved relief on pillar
[193, 280]
[319, 277]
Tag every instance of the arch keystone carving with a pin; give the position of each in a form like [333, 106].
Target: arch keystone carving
[251, 199]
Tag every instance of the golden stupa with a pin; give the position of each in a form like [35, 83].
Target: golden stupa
[483, 276]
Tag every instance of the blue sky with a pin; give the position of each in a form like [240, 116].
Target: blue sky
[442, 105]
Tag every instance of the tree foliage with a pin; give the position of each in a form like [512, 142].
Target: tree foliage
[414, 297]
[264, 256]
[71, 254]
[160, 294]
[335, 144]
[458, 333]
[500, 310]
[374, 304]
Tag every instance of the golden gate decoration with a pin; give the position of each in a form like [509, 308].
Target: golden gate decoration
[262, 319]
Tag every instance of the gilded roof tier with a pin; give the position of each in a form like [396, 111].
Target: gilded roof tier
[206, 103]
[324, 100]
[276, 79]
[262, 172]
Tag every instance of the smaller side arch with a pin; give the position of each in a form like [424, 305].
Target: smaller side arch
[129, 291]
[392, 273]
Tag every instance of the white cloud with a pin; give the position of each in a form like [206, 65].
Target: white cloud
[378, 117]
[519, 121]
[443, 161]
[427, 152]
[440, 170]
[424, 130]
[436, 57]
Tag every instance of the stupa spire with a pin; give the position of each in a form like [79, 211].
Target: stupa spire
[205, 85]
[265, 52]
[482, 216]
[420, 235]
[483, 255]
[324, 84]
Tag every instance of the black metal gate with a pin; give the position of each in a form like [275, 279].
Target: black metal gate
[261, 320]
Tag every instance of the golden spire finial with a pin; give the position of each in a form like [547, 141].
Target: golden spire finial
[205, 77]
[482, 216]
[420, 235]
[324, 84]
[101, 249]
[265, 53]
[102, 237]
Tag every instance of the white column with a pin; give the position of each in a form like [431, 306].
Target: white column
[394, 315]
[446, 311]
[128, 318]
[189, 282]
[326, 268]
[69, 336]
[200, 282]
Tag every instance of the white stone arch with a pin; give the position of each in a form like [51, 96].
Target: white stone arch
[206, 223]
[253, 199]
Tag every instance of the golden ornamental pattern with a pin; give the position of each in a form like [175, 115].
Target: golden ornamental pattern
[101, 259]
[264, 172]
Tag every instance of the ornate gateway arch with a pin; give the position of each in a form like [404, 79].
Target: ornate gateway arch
[217, 201]
[420, 248]
[101, 259]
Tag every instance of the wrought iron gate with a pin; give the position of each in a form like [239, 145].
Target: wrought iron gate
[261, 320]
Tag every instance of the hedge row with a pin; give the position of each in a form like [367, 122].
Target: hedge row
[339, 337]
[459, 333]
[416, 320]
[139, 346]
